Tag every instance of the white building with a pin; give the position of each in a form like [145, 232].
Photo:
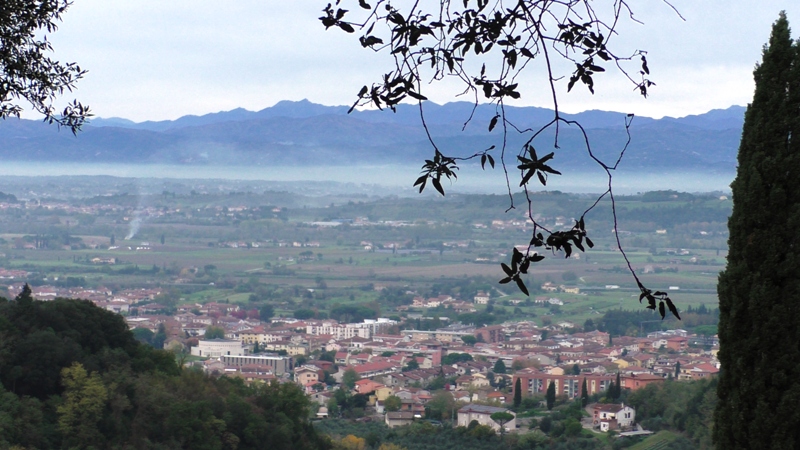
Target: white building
[482, 414]
[364, 330]
[215, 348]
[611, 416]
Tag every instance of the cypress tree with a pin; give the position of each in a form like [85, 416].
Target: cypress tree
[759, 291]
[584, 393]
[550, 397]
[517, 393]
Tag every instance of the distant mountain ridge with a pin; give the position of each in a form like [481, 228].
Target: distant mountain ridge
[304, 133]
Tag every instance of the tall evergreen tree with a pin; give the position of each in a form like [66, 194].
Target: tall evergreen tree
[550, 397]
[517, 393]
[759, 291]
[584, 393]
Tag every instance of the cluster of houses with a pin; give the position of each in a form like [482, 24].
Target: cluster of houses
[119, 302]
[405, 364]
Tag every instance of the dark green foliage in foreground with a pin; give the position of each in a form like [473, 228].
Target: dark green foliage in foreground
[678, 406]
[149, 401]
[425, 436]
[759, 325]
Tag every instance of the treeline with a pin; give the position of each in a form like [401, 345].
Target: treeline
[74, 376]
[426, 436]
[622, 322]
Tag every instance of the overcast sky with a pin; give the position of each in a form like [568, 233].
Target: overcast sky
[156, 59]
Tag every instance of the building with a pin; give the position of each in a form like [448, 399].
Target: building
[481, 298]
[638, 381]
[492, 334]
[305, 375]
[534, 382]
[400, 418]
[438, 335]
[215, 348]
[338, 331]
[278, 364]
[482, 414]
[609, 417]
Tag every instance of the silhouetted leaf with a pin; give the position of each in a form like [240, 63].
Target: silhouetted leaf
[493, 122]
[438, 185]
[672, 308]
[521, 286]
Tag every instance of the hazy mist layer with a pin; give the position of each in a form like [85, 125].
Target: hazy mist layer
[396, 179]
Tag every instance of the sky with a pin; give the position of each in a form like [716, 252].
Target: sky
[159, 60]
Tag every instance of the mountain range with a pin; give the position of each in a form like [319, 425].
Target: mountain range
[303, 133]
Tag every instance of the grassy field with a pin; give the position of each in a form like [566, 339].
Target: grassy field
[656, 441]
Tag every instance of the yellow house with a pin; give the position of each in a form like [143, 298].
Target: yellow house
[621, 363]
[479, 380]
[382, 393]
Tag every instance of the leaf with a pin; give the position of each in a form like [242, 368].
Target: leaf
[483, 161]
[419, 97]
[507, 269]
[672, 308]
[491, 160]
[589, 242]
[521, 286]
[526, 52]
[661, 310]
[346, 27]
[542, 179]
[505, 280]
[421, 180]
[493, 122]
[438, 185]
[487, 90]
[364, 4]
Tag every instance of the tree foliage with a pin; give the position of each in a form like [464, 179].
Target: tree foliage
[550, 396]
[684, 407]
[27, 72]
[350, 377]
[74, 376]
[393, 403]
[486, 46]
[759, 312]
[502, 418]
